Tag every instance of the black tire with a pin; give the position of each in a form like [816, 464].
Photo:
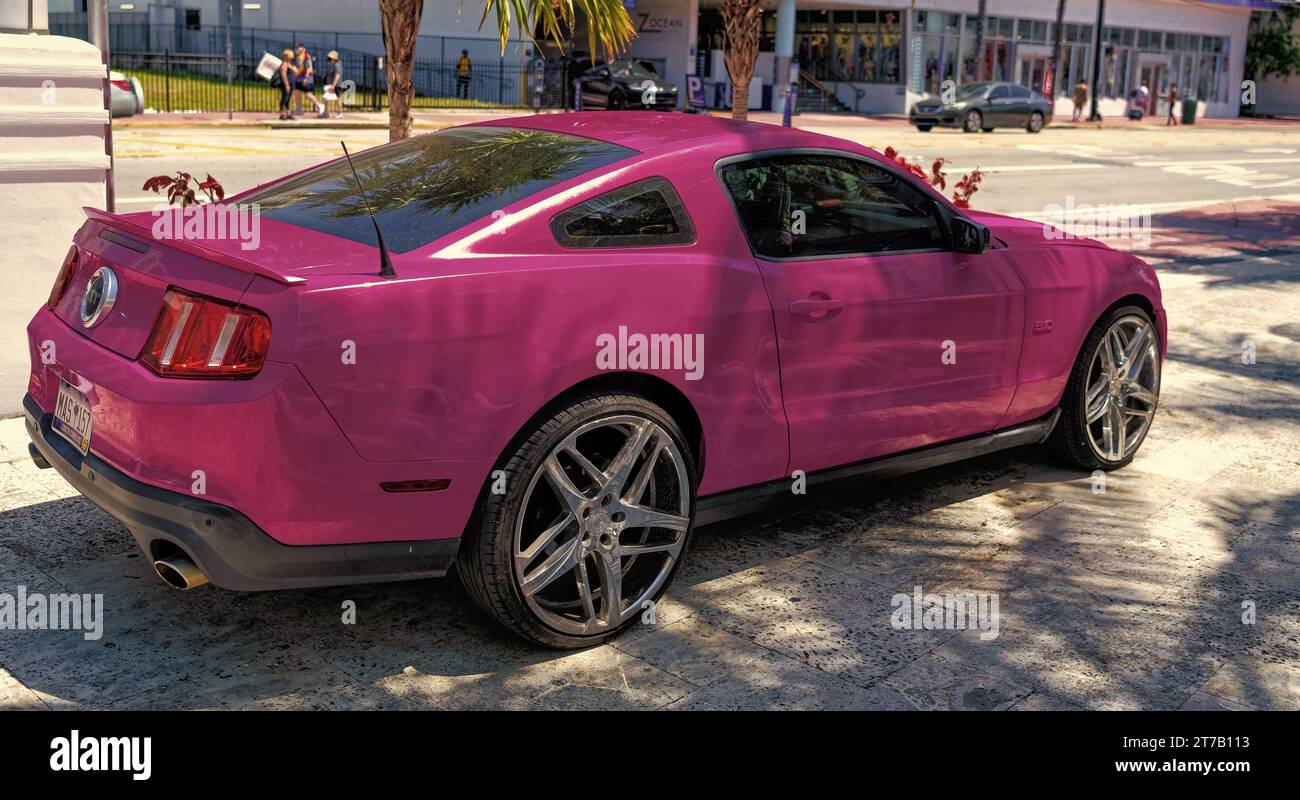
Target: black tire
[1035, 123]
[973, 121]
[924, 128]
[486, 563]
[1069, 439]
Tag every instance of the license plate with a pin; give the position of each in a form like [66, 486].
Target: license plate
[72, 417]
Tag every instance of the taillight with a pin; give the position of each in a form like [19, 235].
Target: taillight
[123, 85]
[64, 278]
[201, 337]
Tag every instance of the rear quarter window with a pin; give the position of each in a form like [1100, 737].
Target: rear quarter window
[426, 187]
[642, 214]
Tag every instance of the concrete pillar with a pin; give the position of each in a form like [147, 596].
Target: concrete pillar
[53, 163]
[784, 53]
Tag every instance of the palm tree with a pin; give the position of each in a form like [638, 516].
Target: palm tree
[741, 20]
[608, 29]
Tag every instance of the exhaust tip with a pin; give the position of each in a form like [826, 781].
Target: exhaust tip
[37, 458]
[179, 572]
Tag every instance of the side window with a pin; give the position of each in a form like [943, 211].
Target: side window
[641, 214]
[1020, 92]
[821, 205]
[1000, 92]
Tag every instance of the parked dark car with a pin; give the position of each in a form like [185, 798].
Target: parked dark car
[626, 84]
[983, 107]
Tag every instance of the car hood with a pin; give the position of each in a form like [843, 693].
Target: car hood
[1017, 232]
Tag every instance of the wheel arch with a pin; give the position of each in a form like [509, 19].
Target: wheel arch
[1141, 301]
[652, 387]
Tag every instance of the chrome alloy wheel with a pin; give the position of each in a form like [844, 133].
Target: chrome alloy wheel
[1123, 388]
[603, 522]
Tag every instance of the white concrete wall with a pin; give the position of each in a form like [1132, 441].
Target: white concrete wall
[358, 26]
[53, 163]
[21, 16]
[1278, 96]
[666, 29]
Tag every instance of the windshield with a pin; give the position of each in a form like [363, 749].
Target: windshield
[971, 90]
[426, 187]
[629, 69]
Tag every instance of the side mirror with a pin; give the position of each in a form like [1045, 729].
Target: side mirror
[970, 237]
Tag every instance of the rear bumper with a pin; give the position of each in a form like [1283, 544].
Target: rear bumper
[264, 447]
[230, 549]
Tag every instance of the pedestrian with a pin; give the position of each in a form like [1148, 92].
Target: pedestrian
[1080, 99]
[1144, 99]
[305, 80]
[463, 69]
[334, 76]
[283, 79]
[1133, 105]
[1173, 98]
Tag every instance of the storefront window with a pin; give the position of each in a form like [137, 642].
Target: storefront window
[939, 36]
[891, 47]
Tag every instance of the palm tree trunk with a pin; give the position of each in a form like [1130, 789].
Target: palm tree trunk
[979, 40]
[401, 23]
[741, 20]
[1057, 51]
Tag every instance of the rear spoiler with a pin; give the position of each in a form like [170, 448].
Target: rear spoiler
[186, 246]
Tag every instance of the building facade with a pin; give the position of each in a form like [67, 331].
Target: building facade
[873, 56]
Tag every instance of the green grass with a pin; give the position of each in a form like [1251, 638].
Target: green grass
[194, 91]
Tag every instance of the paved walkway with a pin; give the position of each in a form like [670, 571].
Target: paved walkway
[1178, 587]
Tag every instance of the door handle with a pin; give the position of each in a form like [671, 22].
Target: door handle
[815, 308]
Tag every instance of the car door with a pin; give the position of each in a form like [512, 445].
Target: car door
[888, 340]
[1000, 106]
[1019, 104]
[596, 86]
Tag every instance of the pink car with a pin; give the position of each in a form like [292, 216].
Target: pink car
[603, 329]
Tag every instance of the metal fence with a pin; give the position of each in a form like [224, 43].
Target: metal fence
[184, 69]
[196, 82]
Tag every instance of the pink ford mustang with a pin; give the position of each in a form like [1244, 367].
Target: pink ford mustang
[602, 329]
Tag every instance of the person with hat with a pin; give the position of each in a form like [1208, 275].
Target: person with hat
[334, 73]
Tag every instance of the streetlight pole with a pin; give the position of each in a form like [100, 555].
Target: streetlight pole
[1100, 39]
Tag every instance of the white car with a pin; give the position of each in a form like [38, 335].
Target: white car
[127, 95]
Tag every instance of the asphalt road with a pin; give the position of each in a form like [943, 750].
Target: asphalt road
[1024, 173]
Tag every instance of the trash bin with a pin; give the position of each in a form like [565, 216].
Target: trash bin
[1189, 111]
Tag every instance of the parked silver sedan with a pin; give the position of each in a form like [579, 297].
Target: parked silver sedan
[983, 107]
